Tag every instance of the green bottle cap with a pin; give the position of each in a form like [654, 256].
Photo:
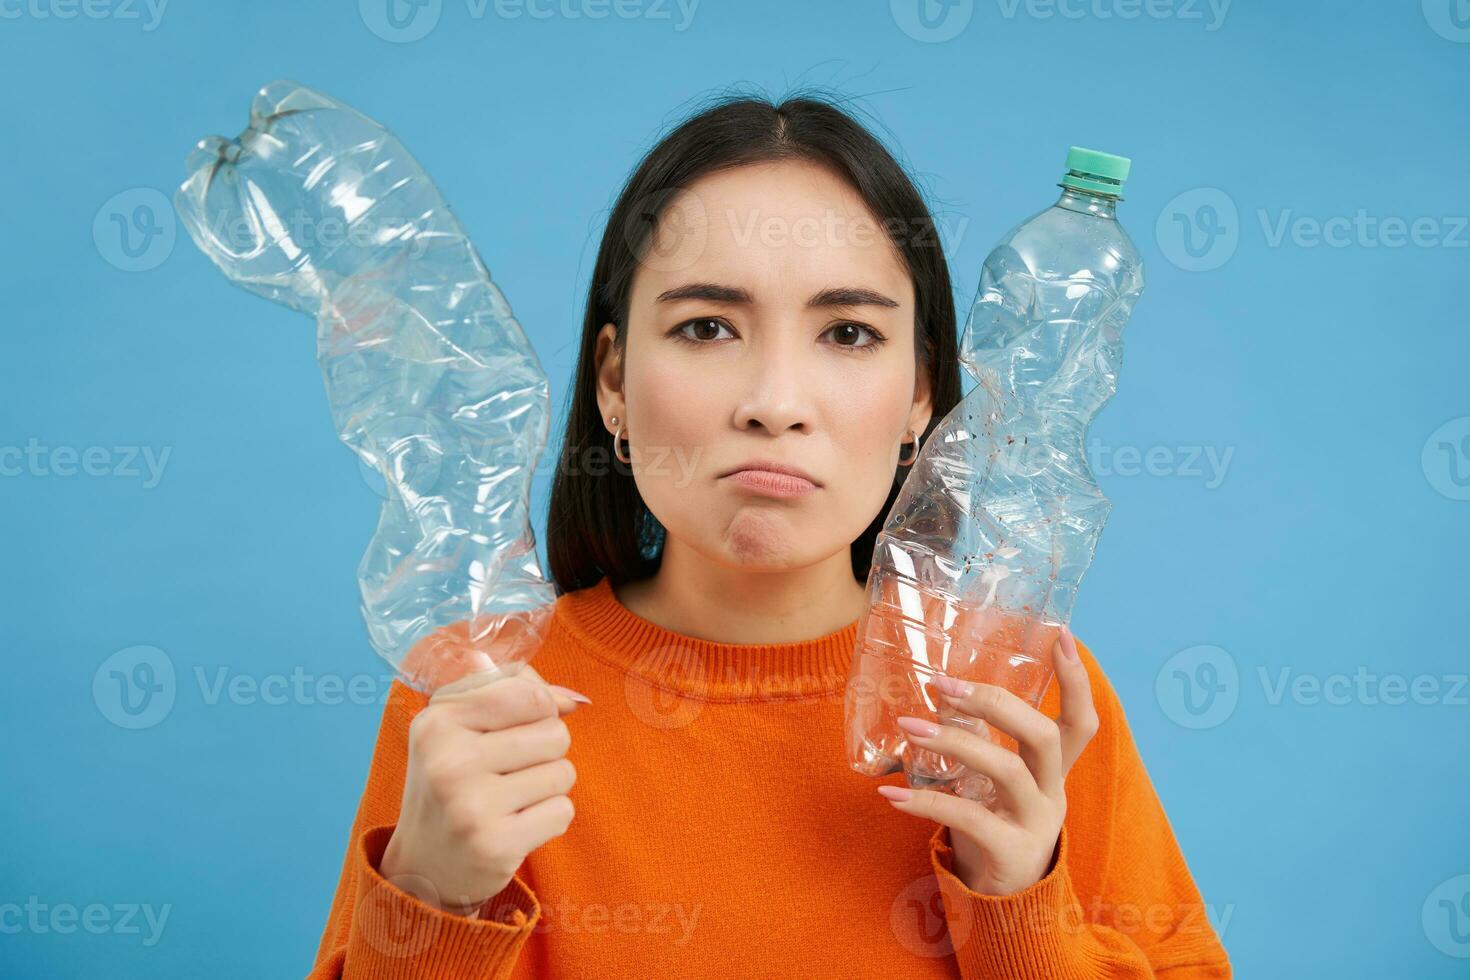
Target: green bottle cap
[1095, 171]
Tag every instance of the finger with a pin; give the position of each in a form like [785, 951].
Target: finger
[500, 704]
[1077, 719]
[566, 699]
[538, 823]
[517, 790]
[991, 831]
[1014, 781]
[473, 678]
[1036, 735]
[520, 746]
[469, 682]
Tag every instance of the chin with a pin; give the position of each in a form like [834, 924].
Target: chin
[761, 552]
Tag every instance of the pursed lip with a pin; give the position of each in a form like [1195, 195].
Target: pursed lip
[771, 466]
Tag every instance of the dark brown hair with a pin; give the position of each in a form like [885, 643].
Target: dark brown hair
[597, 523]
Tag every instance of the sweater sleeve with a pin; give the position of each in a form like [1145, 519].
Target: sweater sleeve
[1118, 902]
[378, 931]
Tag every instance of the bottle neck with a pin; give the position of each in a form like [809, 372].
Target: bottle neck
[1087, 202]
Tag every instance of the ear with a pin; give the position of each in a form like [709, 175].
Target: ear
[923, 407]
[608, 369]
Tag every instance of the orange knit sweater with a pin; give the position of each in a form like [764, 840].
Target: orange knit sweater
[719, 833]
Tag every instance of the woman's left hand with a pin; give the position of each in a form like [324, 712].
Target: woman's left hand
[1002, 849]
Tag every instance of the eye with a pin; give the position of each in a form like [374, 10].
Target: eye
[703, 326]
[853, 331]
[848, 335]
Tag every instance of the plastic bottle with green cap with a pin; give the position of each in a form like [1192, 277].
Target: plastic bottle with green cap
[978, 562]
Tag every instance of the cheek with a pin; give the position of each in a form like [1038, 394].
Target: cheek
[673, 407]
[868, 421]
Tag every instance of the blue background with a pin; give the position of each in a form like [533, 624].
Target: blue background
[1322, 831]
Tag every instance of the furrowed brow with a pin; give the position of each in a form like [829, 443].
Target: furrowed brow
[837, 296]
[714, 292]
[850, 296]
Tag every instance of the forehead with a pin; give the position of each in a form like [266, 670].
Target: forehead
[789, 225]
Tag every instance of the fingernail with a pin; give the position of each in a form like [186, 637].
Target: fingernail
[918, 726]
[896, 793]
[568, 692]
[1068, 649]
[953, 687]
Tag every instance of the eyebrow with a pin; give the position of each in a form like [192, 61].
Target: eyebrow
[834, 296]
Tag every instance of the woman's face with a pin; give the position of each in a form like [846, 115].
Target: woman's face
[770, 320]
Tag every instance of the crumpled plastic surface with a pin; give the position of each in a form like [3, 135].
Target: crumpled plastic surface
[430, 378]
[978, 563]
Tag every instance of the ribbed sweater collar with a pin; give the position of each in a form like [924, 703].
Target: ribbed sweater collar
[706, 669]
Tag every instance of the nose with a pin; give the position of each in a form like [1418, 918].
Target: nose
[777, 390]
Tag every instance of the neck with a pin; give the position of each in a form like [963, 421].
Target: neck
[697, 597]
[1086, 202]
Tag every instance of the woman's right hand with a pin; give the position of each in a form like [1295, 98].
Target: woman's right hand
[486, 785]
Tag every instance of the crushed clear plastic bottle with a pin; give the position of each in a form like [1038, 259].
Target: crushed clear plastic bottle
[429, 376]
[979, 560]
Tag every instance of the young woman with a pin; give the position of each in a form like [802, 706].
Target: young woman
[770, 333]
